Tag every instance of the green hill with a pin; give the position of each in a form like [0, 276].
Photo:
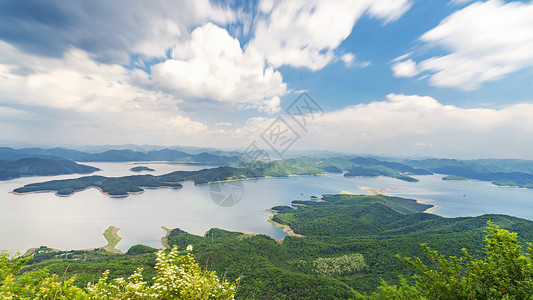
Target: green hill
[41, 167]
[350, 244]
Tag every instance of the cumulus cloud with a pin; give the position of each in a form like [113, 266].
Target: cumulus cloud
[302, 33]
[486, 41]
[74, 82]
[212, 65]
[76, 99]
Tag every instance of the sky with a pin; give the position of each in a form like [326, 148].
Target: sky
[383, 77]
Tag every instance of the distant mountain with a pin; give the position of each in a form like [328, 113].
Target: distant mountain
[503, 172]
[148, 148]
[116, 156]
[7, 153]
[123, 155]
[41, 167]
[167, 155]
[358, 166]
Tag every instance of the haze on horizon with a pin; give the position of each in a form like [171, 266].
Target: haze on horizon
[393, 77]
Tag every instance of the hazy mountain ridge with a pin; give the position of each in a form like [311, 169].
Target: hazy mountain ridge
[124, 155]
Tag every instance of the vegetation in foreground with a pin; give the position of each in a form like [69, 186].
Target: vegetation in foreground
[504, 273]
[177, 276]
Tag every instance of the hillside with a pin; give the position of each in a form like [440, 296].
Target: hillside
[350, 244]
[41, 167]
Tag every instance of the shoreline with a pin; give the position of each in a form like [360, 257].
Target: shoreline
[95, 187]
[431, 209]
[164, 239]
[383, 192]
[252, 178]
[286, 228]
[147, 187]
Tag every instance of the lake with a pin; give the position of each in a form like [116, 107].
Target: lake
[78, 221]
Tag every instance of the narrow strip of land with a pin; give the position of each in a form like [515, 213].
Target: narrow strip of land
[112, 237]
[383, 192]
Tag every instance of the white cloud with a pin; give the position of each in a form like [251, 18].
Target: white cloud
[406, 68]
[348, 59]
[418, 125]
[460, 1]
[74, 82]
[486, 41]
[401, 122]
[212, 65]
[305, 33]
[77, 100]
[271, 106]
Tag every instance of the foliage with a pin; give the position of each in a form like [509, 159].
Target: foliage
[504, 273]
[343, 265]
[140, 249]
[177, 277]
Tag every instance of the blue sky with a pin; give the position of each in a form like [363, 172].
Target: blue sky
[394, 77]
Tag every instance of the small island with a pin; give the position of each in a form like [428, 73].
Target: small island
[141, 169]
[454, 177]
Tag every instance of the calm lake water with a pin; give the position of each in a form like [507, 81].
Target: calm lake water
[78, 221]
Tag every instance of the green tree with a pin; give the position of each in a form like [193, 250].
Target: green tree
[504, 273]
[177, 277]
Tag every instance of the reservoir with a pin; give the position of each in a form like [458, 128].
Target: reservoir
[78, 221]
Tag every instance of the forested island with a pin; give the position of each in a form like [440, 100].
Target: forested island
[348, 244]
[123, 186]
[141, 169]
[358, 166]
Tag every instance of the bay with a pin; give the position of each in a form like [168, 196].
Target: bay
[78, 221]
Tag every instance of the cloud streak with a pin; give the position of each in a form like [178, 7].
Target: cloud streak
[485, 41]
